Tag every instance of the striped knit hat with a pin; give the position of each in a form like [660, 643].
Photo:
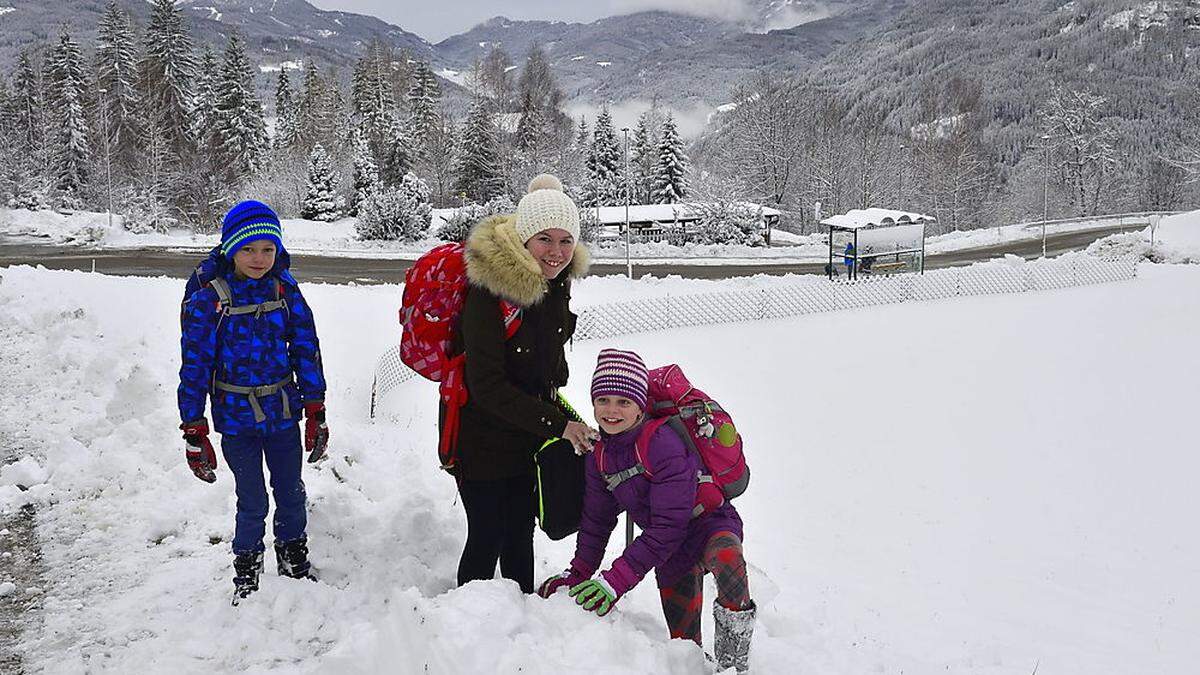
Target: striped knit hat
[246, 222]
[620, 373]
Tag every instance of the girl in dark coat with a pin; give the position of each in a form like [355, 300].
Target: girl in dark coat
[526, 259]
[679, 548]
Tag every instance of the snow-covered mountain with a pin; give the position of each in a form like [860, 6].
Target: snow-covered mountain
[277, 31]
[768, 15]
[680, 59]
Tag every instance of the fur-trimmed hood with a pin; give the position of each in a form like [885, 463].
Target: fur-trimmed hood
[498, 261]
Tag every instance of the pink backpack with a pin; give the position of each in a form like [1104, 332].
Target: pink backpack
[705, 428]
[435, 289]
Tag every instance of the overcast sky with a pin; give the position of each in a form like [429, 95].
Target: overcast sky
[435, 21]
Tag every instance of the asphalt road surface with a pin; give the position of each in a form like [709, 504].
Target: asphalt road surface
[341, 270]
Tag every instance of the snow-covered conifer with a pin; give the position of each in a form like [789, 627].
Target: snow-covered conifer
[670, 179]
[321, 200]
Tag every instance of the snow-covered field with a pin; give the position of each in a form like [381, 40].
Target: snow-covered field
[995, 485]
[339, 239]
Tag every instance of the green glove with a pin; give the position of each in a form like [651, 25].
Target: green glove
[594, 595]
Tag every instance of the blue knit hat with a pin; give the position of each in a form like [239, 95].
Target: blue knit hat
[246, 222]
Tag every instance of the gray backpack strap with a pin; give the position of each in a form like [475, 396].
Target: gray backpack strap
[612, 480]
[223, 295]
[229, 309]
[253, 393]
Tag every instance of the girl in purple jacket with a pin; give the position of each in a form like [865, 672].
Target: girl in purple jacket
[679, 548]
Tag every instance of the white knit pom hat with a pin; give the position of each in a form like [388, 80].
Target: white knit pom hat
[545, 207]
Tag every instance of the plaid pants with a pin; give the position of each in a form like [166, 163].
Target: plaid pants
[683, 601]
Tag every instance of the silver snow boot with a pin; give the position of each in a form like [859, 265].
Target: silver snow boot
[733, 630]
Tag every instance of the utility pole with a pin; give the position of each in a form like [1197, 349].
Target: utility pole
[1045, 188]
[628, 262]
[107, 151]
[901, 190]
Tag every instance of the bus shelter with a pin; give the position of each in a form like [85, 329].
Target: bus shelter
[876, 241]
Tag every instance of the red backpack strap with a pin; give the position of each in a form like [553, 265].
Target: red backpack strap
[511, 315]
[454, 396]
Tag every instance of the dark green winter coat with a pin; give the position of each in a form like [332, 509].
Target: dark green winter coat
[511, 384]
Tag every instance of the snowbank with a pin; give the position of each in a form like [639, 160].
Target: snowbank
[996, 485]
[1180, 235]
[1176, 239]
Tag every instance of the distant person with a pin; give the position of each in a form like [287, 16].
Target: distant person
[848, 258]
[249, 342]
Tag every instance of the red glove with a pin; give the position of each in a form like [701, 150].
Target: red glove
[568, 578]
[316, 434]
[200, 456]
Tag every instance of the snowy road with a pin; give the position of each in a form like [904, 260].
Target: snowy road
[341, 270]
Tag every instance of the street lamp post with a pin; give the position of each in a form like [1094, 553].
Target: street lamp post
[628, 262]
[107, 151]
[901, 189]
[1045, 188]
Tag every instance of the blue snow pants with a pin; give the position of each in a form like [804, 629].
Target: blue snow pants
[244, 453]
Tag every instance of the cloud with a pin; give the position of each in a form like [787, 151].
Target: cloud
[729, 10]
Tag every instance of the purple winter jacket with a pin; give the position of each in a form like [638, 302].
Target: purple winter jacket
[671, 541]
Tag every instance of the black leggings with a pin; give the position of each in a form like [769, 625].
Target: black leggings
[499, 527]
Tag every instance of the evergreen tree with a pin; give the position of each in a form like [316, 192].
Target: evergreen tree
[321, 111]
[202, 127]
[424, 96]
[670, 180]
[30, 107]
[366, 177]
[371, 91]
[168, 74]
[479, 175]
[398, 160]
[287, 122]
[8, 112]
[604, 163]
[116, 75]
[579, 161]
[402, 213]
[530, 127]
[241, 132]
[643, 155]
[321, 200]
[67, 87]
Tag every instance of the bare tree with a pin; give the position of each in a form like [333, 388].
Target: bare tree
[1084, 141]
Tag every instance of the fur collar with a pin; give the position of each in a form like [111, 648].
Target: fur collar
[498, 261]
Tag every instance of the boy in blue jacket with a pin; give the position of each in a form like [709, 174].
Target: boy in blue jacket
[250, 342]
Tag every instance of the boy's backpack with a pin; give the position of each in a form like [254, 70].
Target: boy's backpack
[705, 429]
[435, 290]
[210, 273]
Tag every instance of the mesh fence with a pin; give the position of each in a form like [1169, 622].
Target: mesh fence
[810, 296]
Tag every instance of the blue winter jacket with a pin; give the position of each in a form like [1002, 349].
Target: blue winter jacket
[249, 350]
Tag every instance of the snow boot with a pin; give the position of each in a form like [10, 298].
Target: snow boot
[733, 630]
[292, 557]
[246, 569]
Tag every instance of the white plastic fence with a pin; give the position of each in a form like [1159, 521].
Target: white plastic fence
[810, 296]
